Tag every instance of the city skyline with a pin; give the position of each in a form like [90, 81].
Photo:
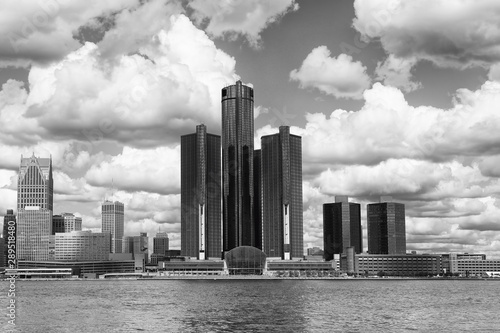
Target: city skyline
[386, 103]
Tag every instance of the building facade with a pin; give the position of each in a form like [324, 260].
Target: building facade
[137, 245]
[201, 194]
[386, 227]
[34, 207]
[113, 215]
[160, 243]
[341, 227]
[237, 166]
[397, 265]
[81, 246]
[9, 230]
[281, 189]
[66, 222]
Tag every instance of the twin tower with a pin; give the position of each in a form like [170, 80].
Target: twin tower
[246, 197]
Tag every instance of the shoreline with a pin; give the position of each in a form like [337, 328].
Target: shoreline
[256, 277]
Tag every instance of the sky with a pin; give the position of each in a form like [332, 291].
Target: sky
[395, 98]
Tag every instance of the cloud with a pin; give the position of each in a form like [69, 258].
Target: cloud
[234, 18]
[387, 127]
[449, 33]
[150, 170]
[142, 100]
[396, 72]
[494, 73]
[341, 77]
[39, 32]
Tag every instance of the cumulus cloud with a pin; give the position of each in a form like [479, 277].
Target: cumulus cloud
[341, 76]
[239, 17]
[396, 72]
[387, 127]
[448, 33]
[151, 170]
[39, 32]
[142, 100]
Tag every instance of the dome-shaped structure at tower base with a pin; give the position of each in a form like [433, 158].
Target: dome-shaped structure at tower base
[245, 260]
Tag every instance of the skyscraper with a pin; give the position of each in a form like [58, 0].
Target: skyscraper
[341, 227]
[34, 208]
[113, 223]
[201, 194]
[160, 243]
[237, 166]
[281, 188]
[386, 227]
[9, 230]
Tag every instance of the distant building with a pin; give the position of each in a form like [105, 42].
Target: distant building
[160, 243]
[113, 222]
[81, 246]
[314, 251]
[341, 227]
[66, 222]
[282, 206]
[386, 227]
[34, 208]
[201, 194]
[137, 245]
[9, 230]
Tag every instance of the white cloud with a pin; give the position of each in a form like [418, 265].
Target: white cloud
[151, 170]
[247, 18]
[452, 33]
[341, 77]
[144, 100]
[396, 72]
[494, 73]
[42, 31]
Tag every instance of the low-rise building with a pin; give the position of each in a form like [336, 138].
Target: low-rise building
[81, 246]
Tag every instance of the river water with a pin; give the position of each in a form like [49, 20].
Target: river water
[256, 306]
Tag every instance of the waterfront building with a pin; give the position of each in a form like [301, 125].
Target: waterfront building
[66, 222]
[394, 265]
[341, 227]
[81, 246]
[160, 243]
[34, 207]
[469, 264]
[9, 230]
[281, 189]
[238, 166]
[201, 194]
[113, 223]
[84, 268]
[386, 227]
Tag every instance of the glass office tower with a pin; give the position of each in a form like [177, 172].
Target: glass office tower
[201, 194]
[341, 227]
[237, 166]
[281, 188]
[386, 227]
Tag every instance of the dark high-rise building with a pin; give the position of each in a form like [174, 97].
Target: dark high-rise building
[237, 166]
[257, 187]
[282, 212]
[9, 230]
[201, 194]
[34, 208]
[341, 227]
[160, 243]
[386, 227]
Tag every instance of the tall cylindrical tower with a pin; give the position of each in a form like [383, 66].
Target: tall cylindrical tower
[237, 166]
